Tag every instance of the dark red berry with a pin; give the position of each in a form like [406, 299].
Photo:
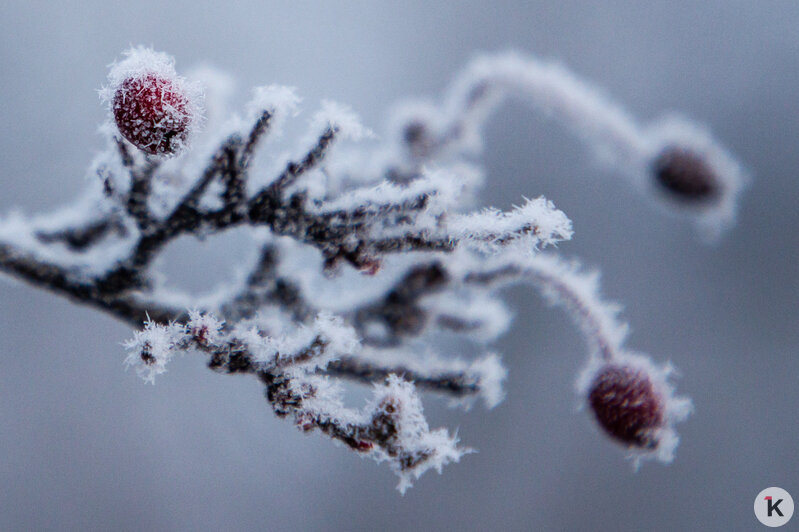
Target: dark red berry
[685, 174]
[626, 406]
[152, 113]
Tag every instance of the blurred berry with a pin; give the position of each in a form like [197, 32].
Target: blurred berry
[626, 405]
[685, 174]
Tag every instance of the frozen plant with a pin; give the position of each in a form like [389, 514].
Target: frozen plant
[366, 258]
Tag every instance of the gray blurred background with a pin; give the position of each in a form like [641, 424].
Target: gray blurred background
[85, 445]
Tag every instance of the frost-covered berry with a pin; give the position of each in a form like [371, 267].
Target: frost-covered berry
[151, 113]
[626, 405]
[686, 175]
[153, 108]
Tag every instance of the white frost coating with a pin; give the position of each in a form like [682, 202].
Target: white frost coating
[137, 62]
[18, 230]
[675, 408]
[218, 88]
[536, 223]
[442, 187]
[564, 283]
[280, 100]
[205, 328]
[337, 339]
[469, 178]
[561, 282]
[107, 162]
[492, 375]
[326, 401]
[341, 339]
[334, 114]
[152, 348]
[396, 400]
[549, 87]
[414, 434]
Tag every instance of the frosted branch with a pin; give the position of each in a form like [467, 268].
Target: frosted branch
[705, 189]
[364, 256]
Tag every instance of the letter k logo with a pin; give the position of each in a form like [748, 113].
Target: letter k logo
[773, 506]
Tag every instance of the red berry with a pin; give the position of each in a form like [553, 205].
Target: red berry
[152, 113]
[626, 406]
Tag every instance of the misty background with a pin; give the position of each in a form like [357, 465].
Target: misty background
[86, 445]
